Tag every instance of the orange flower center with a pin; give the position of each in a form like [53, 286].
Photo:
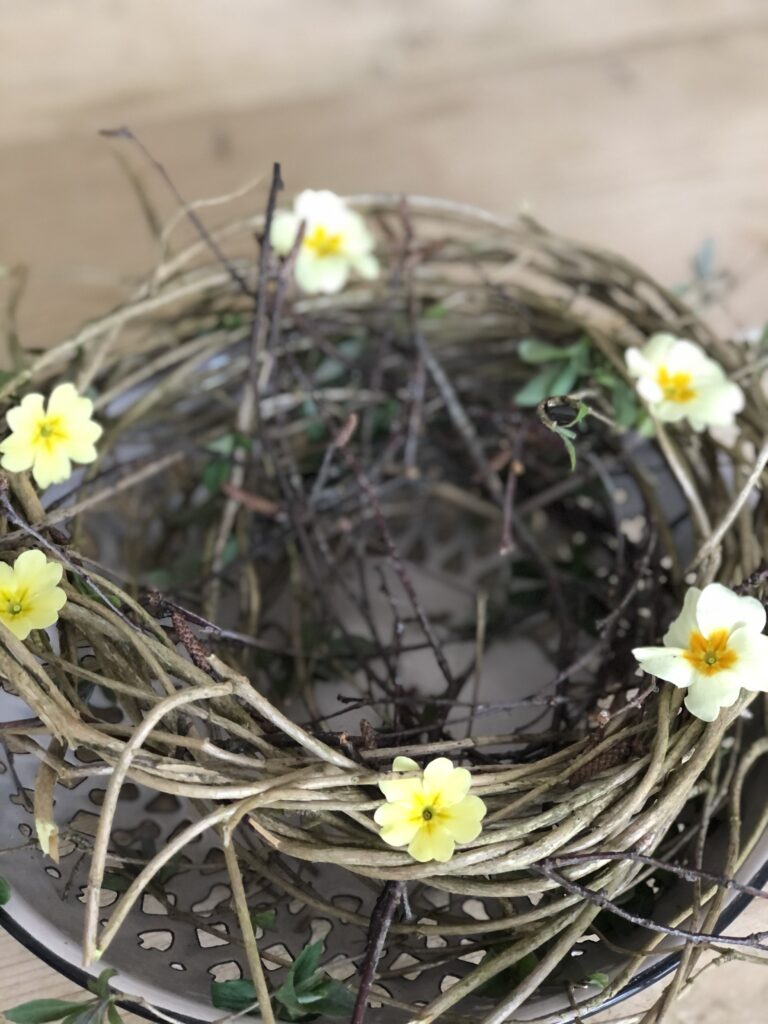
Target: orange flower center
[675, 386]
[323, 243]
[710, 654]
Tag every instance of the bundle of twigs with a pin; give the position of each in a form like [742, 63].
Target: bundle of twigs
[261, 449]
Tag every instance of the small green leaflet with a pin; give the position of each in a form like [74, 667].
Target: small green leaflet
[562, 367]
[264, 919]
[94, 1011]
[100, 986]
[567, 434]
[39, 1011]
[307, 992]
[233, 995]
[499, 986]
[5, 891]
[602, 981]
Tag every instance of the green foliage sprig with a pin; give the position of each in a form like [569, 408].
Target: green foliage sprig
[101, 1010]
[307, 993]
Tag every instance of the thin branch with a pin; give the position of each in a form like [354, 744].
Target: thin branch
[389, 900]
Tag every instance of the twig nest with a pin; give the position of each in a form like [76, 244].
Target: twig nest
[321, 522]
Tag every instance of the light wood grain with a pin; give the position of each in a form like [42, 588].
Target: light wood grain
[642, 125]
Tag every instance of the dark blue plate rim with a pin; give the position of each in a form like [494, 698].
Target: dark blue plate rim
[642, 981]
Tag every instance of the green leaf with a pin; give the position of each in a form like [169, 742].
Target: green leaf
[435, 312]
[5, 891]
[598, 978]
[565, 379]
[39, 1011]
[626, 408]
[231, 321]
[645, 426]
[89, 1013]
[304, 966]
[227, 443]
[215, 474]
[80, 584]
[230, 552]
[233, 995]
[538, 387]
[113, 1015]
[329, 370]
[532, 351]
[308, 990]
[100, 986]
[383, 416]
[264, 919]
[337, 1000]
[566, 436]
[505, 981]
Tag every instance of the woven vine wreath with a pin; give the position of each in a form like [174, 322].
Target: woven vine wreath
[304, 448]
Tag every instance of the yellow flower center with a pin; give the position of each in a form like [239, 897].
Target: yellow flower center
[427, 814]
[49, 431]
[676, 387]
[14, 607]
[710, 654]
[323, 243]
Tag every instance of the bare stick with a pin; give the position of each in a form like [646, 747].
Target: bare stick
[246, 927]
[391, 896]
[126, 133]
[758, 940]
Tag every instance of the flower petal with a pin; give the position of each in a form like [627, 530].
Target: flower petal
[17, 624]
[34, 573]
[51, 467]
[24, 417]
[444, 784]
[686, 356]
[680, 631]
[707, 696]
[404, 764]
[367, 266]
[637, 364]
[80, 451]
[320, 274]
[717, 401]
[648, 389]
[751, 669]
[18, 454]
[320, 207]
[656, 350]
[285, 228]
[44, 610]
[463, 821]
[6, 578]
[719, 608]
[431, 844]
[67, 403]
[358, 240]
[397, 827]
[666, 663]
[401, 790]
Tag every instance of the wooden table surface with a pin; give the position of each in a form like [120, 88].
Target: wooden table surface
[641, 125]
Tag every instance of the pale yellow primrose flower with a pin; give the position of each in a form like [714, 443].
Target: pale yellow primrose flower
[679, 381]
[430, 813]
[48, 440]
[336, 241]
[714, 647]
[29, 597]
